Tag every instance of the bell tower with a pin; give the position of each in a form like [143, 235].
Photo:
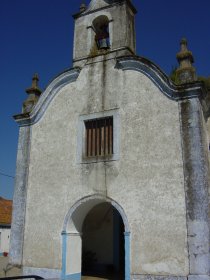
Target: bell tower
[104, 27]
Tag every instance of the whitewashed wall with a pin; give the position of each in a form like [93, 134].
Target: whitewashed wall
[147, 180]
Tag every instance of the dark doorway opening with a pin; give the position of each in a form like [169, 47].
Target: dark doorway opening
[103, 252]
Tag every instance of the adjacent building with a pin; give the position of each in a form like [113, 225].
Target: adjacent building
[5, 225]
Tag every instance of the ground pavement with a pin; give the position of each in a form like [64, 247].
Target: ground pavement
[8, 270]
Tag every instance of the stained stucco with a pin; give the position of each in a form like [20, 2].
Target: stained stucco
[147, 180]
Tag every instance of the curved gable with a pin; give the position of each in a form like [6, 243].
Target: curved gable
[156, 75]
[138, 64]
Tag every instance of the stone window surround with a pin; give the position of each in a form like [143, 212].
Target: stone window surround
[81, 136]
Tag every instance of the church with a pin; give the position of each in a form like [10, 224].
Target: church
[112, 176]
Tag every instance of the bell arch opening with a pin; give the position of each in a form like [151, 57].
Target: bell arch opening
[96, 240]
[101, 28]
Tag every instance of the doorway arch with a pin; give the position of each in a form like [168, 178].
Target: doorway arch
[72, 235]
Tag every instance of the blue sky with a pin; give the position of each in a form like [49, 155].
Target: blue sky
[37, 36]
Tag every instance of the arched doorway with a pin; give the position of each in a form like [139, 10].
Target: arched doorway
[74, 245]
[103, 251]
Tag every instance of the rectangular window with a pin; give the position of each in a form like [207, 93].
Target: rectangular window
[99, 137]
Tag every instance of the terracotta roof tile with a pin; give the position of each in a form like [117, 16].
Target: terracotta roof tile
[5, 211]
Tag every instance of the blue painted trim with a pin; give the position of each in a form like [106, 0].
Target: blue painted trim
[155, 74]
[1, 254]
[127, 256]
[100, 198]
[47, 97]
[64, 242]
[116, 245]
[75, 276]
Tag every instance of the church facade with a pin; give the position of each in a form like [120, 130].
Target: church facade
[112, 165]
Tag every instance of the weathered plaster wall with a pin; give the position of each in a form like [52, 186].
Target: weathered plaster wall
[147, 180]
[208, 144]
[196, 169]
[19, 198]
[208, 147]
[208, 137]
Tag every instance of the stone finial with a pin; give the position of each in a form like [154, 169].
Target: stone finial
[35, 81]
[185, 72]
[82, 7]
[33, 95]
[34, 87]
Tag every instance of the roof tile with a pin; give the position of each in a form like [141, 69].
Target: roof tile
[5, 211]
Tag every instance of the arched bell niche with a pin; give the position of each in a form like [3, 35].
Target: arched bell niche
[102, 35]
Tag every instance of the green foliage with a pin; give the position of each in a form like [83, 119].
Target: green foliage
[205, 80]
[174, 78]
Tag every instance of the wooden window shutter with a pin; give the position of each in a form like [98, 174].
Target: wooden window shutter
[99, 137]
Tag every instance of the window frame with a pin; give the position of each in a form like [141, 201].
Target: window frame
[81, 137]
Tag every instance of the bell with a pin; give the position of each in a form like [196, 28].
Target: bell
[103, 44]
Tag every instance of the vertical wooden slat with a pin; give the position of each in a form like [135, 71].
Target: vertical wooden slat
[99, 137]
[102, 138]
[91, 153]
[105, 144]
[90, 136]
[112, 144]
[87, 140]
[96, 146]
[109, 124]
[107, 136]
[93, 138]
